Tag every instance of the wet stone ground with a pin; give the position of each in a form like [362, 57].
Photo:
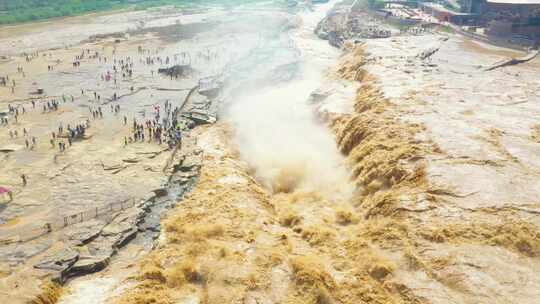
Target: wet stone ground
[128, 186]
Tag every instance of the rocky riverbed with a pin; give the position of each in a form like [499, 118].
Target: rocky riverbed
[445, 152]
[362, 168]
[443, 208]
[82, 204]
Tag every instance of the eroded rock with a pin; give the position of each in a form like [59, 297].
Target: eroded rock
[84, 232]
[59, 263]
[88, 264]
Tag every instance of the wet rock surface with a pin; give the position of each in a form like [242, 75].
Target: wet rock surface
[90, 245]
[176, 71]
[427, 224]
[88, 264]
[441, 222]
[435, 216]
[104, 192]
[60, 261]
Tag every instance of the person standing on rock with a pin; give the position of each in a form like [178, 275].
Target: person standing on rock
[23, 177]
[179, 138]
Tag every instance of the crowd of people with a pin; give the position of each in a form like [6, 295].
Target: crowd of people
[162, 128]
[4, 80]
[72, 134]
[50, 106]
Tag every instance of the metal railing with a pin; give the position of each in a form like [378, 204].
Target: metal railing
[60, 223]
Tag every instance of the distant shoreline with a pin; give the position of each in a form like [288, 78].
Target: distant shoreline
[25, 15]
[28, 16]
[53, 19]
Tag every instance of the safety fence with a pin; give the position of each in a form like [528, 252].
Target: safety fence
[25, 235]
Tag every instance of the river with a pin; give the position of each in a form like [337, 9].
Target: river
[268, 102]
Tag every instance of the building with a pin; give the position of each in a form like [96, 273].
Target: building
[472, 6]
[444, 14]
[515, 21]
[517, 18]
